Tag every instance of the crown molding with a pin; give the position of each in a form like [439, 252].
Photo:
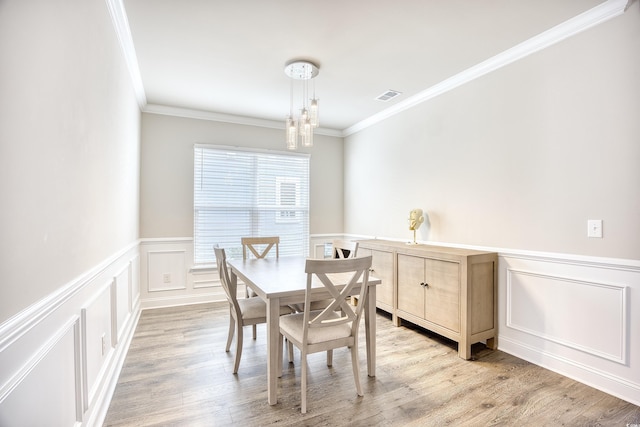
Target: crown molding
[590, 18]
[594, 16]
[121, 26]
[226, 118]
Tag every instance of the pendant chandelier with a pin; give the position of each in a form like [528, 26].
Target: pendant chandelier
[300, 128]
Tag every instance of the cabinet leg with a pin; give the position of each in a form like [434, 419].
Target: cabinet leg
[464, 351]
[396, 320]
[492, 343]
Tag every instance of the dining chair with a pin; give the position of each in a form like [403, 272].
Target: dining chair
[339, 249]
[344, 249]
[244, 311]
[337, 325]
[259, 247]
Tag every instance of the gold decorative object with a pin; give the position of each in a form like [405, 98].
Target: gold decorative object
[416, 218]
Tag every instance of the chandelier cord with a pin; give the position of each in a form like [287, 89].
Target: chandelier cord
[291, 99]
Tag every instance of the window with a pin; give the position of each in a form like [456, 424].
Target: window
[240, 193]
[287, 195]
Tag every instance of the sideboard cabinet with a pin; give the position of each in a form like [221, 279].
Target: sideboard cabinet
[450, 291]
[382, 267]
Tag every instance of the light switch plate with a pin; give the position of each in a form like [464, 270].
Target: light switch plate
[594, 228]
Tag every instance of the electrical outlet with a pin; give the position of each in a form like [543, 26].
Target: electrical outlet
[104, 344]
[594, 228]
[166, 277]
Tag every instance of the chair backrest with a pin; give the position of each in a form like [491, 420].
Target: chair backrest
[260, 246]
[344, 249]
[332, 273]
[229, 289]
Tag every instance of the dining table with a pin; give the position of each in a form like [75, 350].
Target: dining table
[282, 281]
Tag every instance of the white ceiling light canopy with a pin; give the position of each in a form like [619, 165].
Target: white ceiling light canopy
[301, 127]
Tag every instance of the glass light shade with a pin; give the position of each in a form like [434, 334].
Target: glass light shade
[306, 134]
[313, 113]
[291, 134]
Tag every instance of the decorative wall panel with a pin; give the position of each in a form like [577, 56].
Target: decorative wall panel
[166, 270]
[569, 312]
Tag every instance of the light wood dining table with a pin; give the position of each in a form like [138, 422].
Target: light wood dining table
[283, 281]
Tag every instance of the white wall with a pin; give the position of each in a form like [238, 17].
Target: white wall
[519, 158]
[69, 132]
[517, 161]
[69, 180]
[166, 208]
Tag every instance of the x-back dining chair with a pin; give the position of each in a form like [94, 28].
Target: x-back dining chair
[339, 249]
[344, 249]
[337, 325]
[244, 311]
[259, 247]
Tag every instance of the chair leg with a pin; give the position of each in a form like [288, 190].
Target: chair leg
[236, 363]
[280, 342]
[254, 332]
[356, 369]
[290, 351]
[303, 383]
[232, 327]
[329, 357]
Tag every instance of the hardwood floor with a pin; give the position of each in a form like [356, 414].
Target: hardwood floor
[177, 374]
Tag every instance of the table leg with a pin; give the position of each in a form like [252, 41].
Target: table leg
[273, 341]
[370, 330]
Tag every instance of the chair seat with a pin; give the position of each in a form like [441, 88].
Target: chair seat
[255, 308]
[293, 325]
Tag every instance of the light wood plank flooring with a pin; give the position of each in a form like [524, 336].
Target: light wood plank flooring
[177, 374]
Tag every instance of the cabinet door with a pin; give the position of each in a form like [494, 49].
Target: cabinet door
[410, 290]
[382, 268]
[442, 293]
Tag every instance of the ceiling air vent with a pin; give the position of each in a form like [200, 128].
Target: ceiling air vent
[390, 94]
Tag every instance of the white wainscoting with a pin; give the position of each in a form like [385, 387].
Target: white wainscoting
[61, 357]
[574, 315]
[168, 277]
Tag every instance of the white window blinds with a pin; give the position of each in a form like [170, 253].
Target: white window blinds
[240, 193]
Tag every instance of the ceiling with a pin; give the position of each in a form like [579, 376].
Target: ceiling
[227, 57]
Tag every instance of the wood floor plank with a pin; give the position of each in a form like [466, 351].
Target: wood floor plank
[177, 374]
